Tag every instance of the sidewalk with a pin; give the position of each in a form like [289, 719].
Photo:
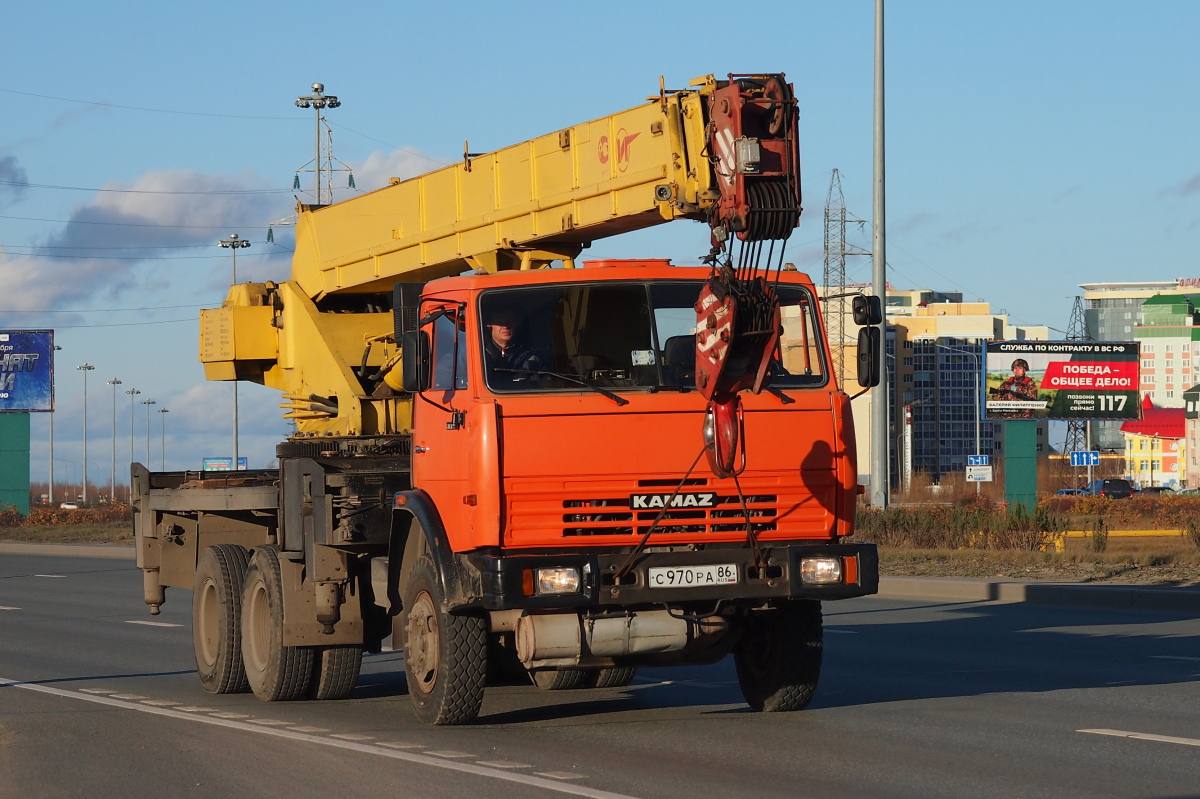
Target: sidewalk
[1091, 595]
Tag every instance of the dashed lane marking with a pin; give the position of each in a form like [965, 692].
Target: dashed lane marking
[502, 764]
[269, 722]
[549, 781]
[129, 696]
[1145, 736]
[400, 745]
[352, 736]
[450, 753]
[5, 607]
[49, 575]
[230, 716]
[309, 729]
[98, 690]
[160, 703]
[153, 623]
[196, 709]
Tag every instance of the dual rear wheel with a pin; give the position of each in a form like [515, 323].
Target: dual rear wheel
[237, 633]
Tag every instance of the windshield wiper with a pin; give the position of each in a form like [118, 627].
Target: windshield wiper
[570, 379]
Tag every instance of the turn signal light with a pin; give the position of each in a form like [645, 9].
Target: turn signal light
[820, 571]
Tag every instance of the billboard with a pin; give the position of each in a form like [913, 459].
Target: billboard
[26, 370]
[222, 464]
[1061, 380]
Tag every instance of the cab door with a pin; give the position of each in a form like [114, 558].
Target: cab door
[440, 437]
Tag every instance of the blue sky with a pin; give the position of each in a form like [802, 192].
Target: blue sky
[1032, 146]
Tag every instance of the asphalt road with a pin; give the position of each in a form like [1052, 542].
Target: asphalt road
[918, 699]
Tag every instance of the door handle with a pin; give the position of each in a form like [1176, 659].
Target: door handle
[418, 449]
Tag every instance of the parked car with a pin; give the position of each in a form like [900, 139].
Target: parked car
[1069, 492]
[69, 506]
[1111, 487]
[1157, 490]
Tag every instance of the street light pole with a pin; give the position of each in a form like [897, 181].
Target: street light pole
[133, 392]
[233, 244]
[148, 403]
[318, 100]
[112, 490]
[879, 395]
[51, 498]
[85, 368]
[164, 412]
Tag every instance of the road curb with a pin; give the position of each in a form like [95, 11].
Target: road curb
[69, 550]
[1124, 597]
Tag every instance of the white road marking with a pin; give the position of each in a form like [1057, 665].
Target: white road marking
[400, 745]
[269, 722]
[502, 764]
[309, 729]
[1145, 736]
[409, 757]
[153, 623]
[49, 575]
[1174, 657]
[559, 775]
[196, 709]
[129, 696]
[98, 690]
[4, 607]
[230, 716]
[450, 753]
[351, 736]
[160, 703]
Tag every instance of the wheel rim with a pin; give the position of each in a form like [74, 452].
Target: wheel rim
[208, 621]
[257, 643]
[422, 648]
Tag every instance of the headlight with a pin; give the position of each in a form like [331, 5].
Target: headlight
[820, 571]
[561, 580]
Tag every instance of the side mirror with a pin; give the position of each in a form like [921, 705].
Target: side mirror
[414, 361]
[869, 352]
[867, 310]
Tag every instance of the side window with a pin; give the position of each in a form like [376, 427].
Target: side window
[449, 353]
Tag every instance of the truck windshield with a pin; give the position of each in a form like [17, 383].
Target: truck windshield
[623, 335]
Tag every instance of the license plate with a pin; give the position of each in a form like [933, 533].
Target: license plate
[692, 576]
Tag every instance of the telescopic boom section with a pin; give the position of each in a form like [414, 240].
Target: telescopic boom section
[724, 152]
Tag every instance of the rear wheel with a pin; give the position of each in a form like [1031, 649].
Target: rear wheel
[445, 655]
[779, 658]
[217, 618]
[616, 677]
[275, 672]
[335, 671]
[562, 680]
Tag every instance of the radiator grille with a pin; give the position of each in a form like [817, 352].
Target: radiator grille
[613, 516]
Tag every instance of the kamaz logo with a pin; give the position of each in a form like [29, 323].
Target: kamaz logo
[654, 501]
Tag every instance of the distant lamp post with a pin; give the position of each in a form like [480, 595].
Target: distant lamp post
[148, 403]
[85, 368]
[233, 244]
[317, 101]
[112, 490]
[51, 497]
[163, 412]
[132, 392]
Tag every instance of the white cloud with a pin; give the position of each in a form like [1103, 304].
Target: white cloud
[374, 172]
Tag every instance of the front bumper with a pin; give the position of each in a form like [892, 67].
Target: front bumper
[501, 576]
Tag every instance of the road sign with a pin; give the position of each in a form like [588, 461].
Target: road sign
[1085, 458]
[222, 464]
[978, 460]
[979, 474]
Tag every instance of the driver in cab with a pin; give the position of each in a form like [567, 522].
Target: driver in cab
[507, 357]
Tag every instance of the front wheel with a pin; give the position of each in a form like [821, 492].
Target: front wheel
[778, 659]
[445, 655]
